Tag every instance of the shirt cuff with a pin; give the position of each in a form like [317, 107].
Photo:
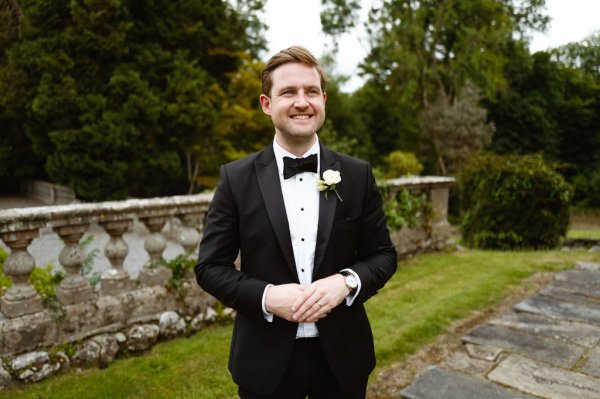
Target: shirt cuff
[268, 316]
[350, 299]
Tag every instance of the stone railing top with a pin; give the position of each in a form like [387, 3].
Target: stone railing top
[420, 181]
[19, 219]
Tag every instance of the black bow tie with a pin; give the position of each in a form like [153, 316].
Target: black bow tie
[293, 166]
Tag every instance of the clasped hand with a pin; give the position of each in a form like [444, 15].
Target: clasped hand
[299, 303]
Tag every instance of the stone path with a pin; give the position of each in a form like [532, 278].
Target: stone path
[547, 346]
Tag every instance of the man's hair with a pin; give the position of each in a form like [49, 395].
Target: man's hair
[296, 54]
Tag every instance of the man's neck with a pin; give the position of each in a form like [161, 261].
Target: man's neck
[297, 147]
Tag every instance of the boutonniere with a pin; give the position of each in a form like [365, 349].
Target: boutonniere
[327, 184]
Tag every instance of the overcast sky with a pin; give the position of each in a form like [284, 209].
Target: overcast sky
[298, 22]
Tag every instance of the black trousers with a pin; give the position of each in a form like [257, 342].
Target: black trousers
[307, 374]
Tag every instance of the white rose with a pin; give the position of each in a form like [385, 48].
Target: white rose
[331, 177]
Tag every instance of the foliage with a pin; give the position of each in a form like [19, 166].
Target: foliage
[180, 265]
[87, 267]
[511, 202]
[337, 16]
[404, 209]
[587, 189]
[582, 56]
[420, 51]
[111, 95]
[343, 129]
[45, 282]
[5, 282]
[553, 109]
[400, 163]
[419, 303]
[457, 130]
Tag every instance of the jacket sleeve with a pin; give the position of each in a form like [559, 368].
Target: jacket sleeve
[376, 254]
[220, 245]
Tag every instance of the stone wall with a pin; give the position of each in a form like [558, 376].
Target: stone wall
[126, 313]
[434, 231]
[48, 193]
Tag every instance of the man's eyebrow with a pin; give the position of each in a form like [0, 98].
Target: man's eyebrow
[285, 88]
[292, 87]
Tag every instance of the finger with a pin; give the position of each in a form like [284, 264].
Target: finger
[304, 313]
[307, 305]
[316, 317]
[319, 310]
[306, 294]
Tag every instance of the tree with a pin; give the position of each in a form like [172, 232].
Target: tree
[112, 94]
[457, 130]
[424, 49]
[583, 56]
[550, 108]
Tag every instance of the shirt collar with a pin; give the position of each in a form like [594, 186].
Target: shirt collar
[280, 153]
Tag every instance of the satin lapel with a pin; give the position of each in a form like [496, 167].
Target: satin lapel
[326, 210]
[270, 187]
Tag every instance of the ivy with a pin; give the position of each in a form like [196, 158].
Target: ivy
[405, 209]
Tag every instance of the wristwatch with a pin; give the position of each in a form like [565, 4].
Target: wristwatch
[350, 281]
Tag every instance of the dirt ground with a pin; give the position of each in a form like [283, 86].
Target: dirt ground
[390, 381]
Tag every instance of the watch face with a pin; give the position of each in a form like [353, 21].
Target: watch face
[351, 281]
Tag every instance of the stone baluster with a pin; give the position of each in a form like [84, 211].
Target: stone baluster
[154, 271]
[21, 298]
[74, 288]
[440, 228]
[189, 237]
[116, 280]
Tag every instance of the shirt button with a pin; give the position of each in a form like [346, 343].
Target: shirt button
[301, 179]
[302, 209]
[302, 239]
[302, 270]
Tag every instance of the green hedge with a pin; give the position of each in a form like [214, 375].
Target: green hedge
[513, 202]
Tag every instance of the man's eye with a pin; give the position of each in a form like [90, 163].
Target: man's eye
[287, 93]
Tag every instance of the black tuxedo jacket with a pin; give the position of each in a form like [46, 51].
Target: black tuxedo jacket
[248, 215]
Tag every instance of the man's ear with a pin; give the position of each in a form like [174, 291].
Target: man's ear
[265, 102]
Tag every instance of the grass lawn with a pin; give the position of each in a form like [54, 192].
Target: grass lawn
[584, 233]
[424, 297]
[585, 224]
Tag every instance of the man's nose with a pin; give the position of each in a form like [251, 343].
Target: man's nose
[301, 101]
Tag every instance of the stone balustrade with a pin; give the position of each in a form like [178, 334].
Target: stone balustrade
[121, 301]
[434, 230]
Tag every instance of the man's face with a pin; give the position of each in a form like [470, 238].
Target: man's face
[296, 103]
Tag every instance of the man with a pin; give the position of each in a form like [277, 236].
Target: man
[309, 258]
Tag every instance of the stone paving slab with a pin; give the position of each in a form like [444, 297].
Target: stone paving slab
[581, 277]
[567, 331]
[559, 309]
[590, 292]
[588, 266]
[545, 381]
[437, 383]
[463, 362]
[573, 293]
[541, 348]
[592, 366]
[483, 352]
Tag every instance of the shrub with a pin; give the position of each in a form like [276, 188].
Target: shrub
[401, 163]
[587, 189]
[5, 282]
[513, 202]
[404, 209]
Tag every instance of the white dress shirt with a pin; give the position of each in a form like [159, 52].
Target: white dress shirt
[301, 199]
